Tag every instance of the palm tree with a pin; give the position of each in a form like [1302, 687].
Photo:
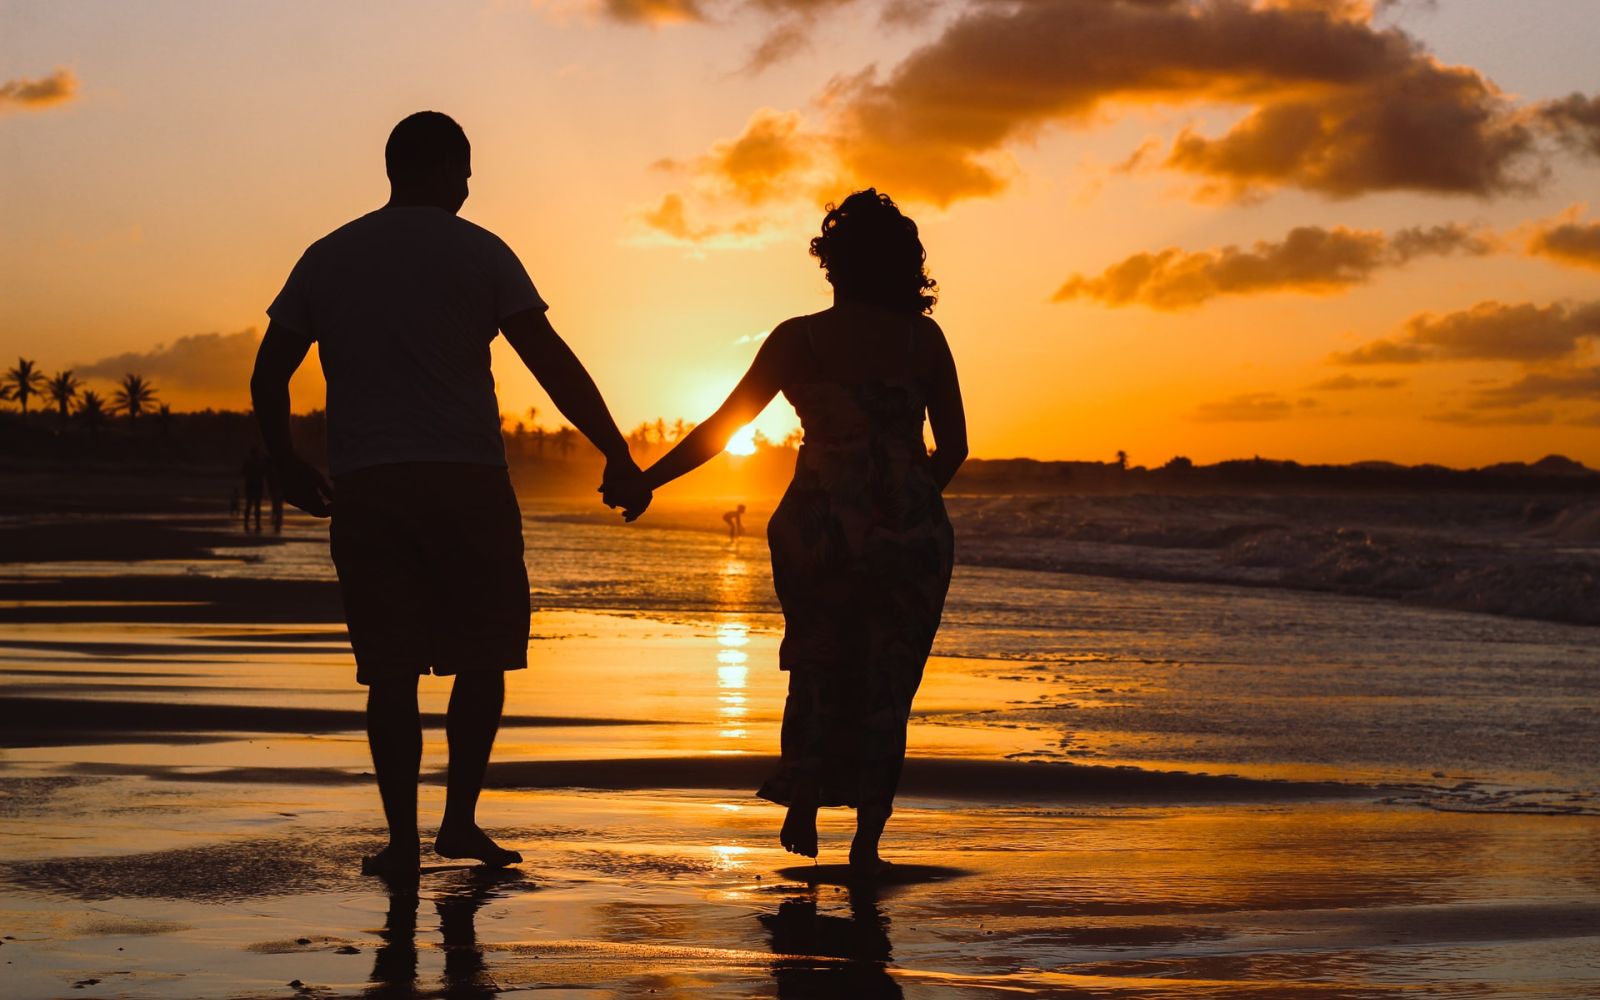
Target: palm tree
[92, 411]
[565, 440]
[64, 389]
[25, 380]
[133, 397]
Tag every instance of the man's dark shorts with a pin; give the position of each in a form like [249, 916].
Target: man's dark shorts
[430, 565]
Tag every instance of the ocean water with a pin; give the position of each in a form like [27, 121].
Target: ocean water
[1455, 710]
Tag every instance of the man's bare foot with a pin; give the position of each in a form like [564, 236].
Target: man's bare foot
[799, 833]
[395, 863]
[472, 842]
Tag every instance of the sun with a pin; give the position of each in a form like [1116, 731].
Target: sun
[743, 441]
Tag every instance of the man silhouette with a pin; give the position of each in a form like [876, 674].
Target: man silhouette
[427, 536]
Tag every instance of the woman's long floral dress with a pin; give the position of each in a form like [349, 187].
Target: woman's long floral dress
[861, 557]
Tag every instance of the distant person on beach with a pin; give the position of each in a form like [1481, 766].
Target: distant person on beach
[254, 474]
[275, 499]
[403, 303]
[861, 545]
[734, 519]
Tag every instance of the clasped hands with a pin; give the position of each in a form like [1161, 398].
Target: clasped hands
[623, 485]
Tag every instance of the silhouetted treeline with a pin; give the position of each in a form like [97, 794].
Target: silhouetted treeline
[561, 461]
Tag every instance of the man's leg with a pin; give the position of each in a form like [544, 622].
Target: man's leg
[475, 704]
[394, 731]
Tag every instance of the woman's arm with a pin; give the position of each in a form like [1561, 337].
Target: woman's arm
[743, 405]
[946, 415]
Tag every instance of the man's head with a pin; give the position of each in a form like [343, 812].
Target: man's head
[428, 160]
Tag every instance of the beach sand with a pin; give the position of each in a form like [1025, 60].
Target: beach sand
[184, 797]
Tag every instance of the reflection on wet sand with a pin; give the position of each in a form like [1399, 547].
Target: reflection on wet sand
[809, 944]
[466, 970]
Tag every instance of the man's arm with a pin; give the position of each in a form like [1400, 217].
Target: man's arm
[281, 352]
[570, 387]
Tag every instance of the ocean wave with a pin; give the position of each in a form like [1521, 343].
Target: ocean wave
[1501, 555]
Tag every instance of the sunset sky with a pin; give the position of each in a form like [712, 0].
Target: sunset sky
[1328, 230]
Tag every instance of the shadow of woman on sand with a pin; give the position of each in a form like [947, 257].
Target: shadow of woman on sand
[824, 956]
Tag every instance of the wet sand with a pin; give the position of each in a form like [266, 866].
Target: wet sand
[184, 797]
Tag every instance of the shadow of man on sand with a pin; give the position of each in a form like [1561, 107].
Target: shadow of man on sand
[466, 970]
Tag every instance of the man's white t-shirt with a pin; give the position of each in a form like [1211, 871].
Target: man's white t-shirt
[403, 304]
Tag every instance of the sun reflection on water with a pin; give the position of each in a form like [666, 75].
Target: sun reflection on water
[733, 676]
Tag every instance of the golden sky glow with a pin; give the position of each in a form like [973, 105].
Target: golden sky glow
[1295, 228]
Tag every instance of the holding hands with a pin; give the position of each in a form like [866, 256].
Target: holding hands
[623, 485]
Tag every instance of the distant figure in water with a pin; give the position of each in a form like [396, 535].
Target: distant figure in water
[734, 519]
[861, 546]
[254, 474]
[427, 536]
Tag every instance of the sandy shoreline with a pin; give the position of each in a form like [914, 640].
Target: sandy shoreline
[184, 797]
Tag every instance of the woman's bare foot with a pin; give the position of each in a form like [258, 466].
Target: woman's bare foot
[799, 833]
[472, 842]
[868, 868]
[864, 859]
[395, 863]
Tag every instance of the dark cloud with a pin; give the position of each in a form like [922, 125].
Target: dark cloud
[32, 94]
[204, 363]
[1309, 260]
[1251, 407]
[1335, 102]
[1568, 240]
[1338, 105]
[1489, 331]
[1349, 383]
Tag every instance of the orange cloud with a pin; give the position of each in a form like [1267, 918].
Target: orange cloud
[30, 94]
[1568, 240]
[773, 163]
[1566, 384]
[1309, 260]
[652, 11]
[1489, 331]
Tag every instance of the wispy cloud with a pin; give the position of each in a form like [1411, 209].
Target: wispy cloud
[1568, 239]
[1251, 407]
[1352, 383]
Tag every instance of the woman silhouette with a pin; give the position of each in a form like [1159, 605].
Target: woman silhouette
[861, 546]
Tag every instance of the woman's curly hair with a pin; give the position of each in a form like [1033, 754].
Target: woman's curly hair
[871, 252]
